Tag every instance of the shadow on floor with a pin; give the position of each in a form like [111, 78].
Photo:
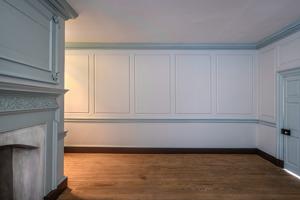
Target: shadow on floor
[68, 195]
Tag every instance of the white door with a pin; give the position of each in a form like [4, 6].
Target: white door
[291, 124]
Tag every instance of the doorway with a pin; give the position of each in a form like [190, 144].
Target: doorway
[289, 119]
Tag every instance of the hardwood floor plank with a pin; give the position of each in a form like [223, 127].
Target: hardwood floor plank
[176, 177]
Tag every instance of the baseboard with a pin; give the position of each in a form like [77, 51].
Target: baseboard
[54, 194]
[272, 159]
[142, 150]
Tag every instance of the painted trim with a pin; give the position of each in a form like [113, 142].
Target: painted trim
[85, 120]
[151, 150]
[17, 88]
[254, 121]
[280, 76]
[62, 135]
[266, 123]
[61, 8]
[54, 194]
[282, 33]
[272, 159]
[160, 46]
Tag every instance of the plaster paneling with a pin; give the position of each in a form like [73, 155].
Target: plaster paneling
[112, 83]
[152, 84]
[234, 84]
[77, 82]
[193, 84]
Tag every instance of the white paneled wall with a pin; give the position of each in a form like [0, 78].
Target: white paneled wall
[131, 85]
[169, 86]
[114, 84]
[280, 56]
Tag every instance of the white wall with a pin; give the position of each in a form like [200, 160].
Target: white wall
[279, 56]
[180, 135]
[164, 85]
[115, 84]
[178, 85]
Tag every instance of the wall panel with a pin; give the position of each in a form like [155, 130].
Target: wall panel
[152, 84]
[29, 54]
[152, 98]
[137, 84]
[77, 82]
[266, 139]
[193, 84]
[267, 84]
[288, 52]
[280, 56]
[180, 135]
[234, 84]
[112, 84]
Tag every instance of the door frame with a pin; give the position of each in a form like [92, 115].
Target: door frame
[280, 76]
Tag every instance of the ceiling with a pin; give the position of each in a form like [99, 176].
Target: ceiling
[179, 21]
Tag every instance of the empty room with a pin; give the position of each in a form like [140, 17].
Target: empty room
[150, 100]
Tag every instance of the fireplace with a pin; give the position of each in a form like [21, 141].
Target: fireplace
[22, 163]
[29, 132]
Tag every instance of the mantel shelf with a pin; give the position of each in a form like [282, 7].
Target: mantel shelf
[13, 87]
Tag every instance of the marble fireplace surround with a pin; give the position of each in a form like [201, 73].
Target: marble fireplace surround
[29, 116]
[22, 154]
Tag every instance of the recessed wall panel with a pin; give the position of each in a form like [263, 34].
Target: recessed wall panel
[152, 84]
[112, 83]
[267, 85]
[193, 84]
[288, 55]
[234, 84]
[77, 82]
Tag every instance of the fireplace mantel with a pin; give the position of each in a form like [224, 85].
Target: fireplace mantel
[15, 98]
[26, 107]
[32, 80]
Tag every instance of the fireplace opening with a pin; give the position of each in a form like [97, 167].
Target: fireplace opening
[22, 164]
[17, 171]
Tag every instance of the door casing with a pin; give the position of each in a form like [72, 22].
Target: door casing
[280, 107]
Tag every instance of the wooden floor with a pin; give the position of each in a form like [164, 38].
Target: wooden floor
[176, 177]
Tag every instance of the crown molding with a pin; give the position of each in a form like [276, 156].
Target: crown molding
[284, 32]
[61, 8]
[160, 46]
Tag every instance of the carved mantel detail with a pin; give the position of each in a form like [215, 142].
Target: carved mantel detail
[19, 102]
[16, 98]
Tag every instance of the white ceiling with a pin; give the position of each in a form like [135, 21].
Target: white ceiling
[179, 21]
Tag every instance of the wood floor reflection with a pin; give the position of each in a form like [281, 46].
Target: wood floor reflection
[176, 177]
